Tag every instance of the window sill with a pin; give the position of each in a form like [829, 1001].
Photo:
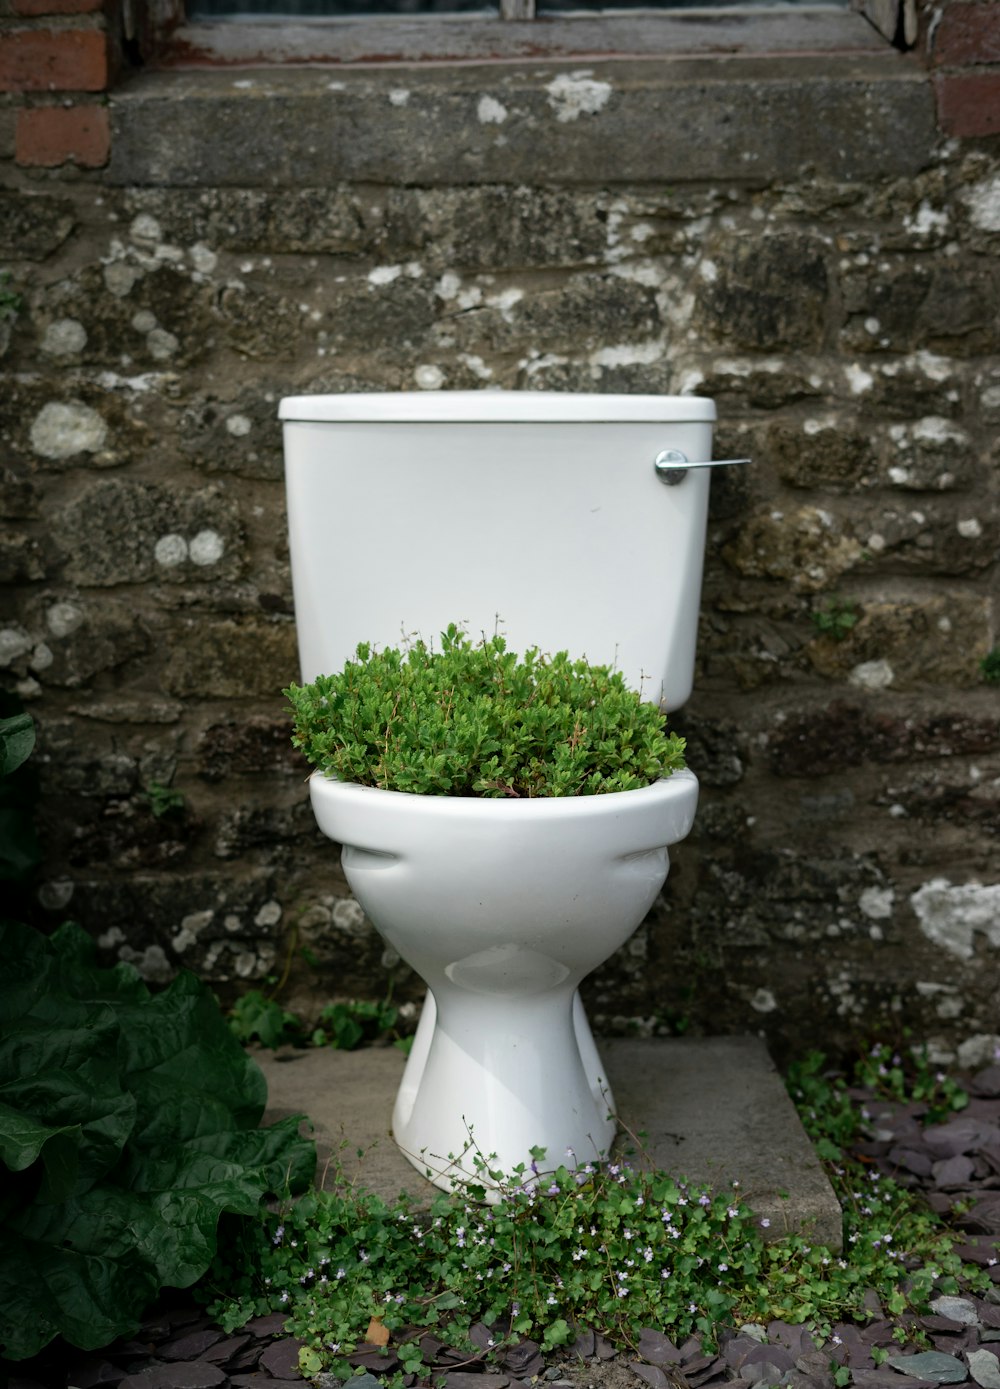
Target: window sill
[749, 118]
[472, 38]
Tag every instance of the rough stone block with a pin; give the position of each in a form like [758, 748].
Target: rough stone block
[956, 537]
[803, 112]
[254, 746]
[494, 228]
[901, 645]
[137, 310]
[824, 740]
[233, 659]
[172, 535]
[807, 548]
[768, 294]
[903, 304]
[749, 1135]
[34, 225]
[329, 221]
[240, 435]
[74, 638]
[21, 559]
[931, 455]
[820, 454]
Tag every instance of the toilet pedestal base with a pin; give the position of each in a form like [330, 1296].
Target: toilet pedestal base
[491, 1078]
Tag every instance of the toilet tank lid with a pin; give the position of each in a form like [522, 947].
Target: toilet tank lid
[528, 407]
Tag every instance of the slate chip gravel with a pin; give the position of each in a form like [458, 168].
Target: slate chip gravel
[955, 1165]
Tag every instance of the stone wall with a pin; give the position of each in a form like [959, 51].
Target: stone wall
[839, 301]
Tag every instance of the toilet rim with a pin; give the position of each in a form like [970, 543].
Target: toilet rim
[678, 785]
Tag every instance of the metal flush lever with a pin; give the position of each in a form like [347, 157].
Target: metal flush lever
[672, 466]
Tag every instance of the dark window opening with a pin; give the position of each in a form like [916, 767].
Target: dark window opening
[338, 9]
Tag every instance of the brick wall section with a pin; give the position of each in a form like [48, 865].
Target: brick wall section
[47, 136]
[57, 59]
[962, 45]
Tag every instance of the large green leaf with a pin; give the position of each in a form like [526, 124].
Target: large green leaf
[17, 738]
[179, 1042]
[67, 1077]
[128, 1122]
[47, 1290]
[23, 1141]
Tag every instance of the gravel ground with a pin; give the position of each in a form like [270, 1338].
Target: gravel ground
[955, 1165]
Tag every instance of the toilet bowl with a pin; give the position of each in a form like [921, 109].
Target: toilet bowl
[577, 523]
[503, 907]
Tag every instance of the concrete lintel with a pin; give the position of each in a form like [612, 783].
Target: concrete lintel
[713, 1110]
[744, 120]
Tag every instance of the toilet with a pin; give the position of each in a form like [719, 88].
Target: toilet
[567, 522]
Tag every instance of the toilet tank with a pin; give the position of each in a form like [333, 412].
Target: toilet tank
[538, 514]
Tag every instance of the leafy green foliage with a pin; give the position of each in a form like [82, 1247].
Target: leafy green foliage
[907, 1075]
[475, 720]
[833, 1121]
[164, 800]
[10, 301]
[347, 1026]
[19, 851]
[836, 619]
[127, 1126]
[610, 1247]
[990, 666]
[257, 1018]
[343, 1026]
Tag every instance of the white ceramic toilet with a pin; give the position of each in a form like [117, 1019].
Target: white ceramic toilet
[578, 523]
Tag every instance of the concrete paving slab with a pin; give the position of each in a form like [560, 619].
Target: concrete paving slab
[713, 1110]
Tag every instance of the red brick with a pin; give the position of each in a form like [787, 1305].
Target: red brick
[50, 135]
[968, 103]
[58, 60]
[968, 34]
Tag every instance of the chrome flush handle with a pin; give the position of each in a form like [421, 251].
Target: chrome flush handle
[672, 466]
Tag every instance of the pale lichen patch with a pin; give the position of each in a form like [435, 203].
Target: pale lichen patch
[206, 548]
[983, 201]
[951, 915]
[170, 550]
[576, 94]
[64, 338]
[490, 111]
[428, 376]
[62, 429]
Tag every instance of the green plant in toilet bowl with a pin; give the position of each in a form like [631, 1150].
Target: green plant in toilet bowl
[470, 718]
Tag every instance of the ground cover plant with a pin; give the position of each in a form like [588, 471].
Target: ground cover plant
[474, 719]
[574, 1246]
[344, 1026]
